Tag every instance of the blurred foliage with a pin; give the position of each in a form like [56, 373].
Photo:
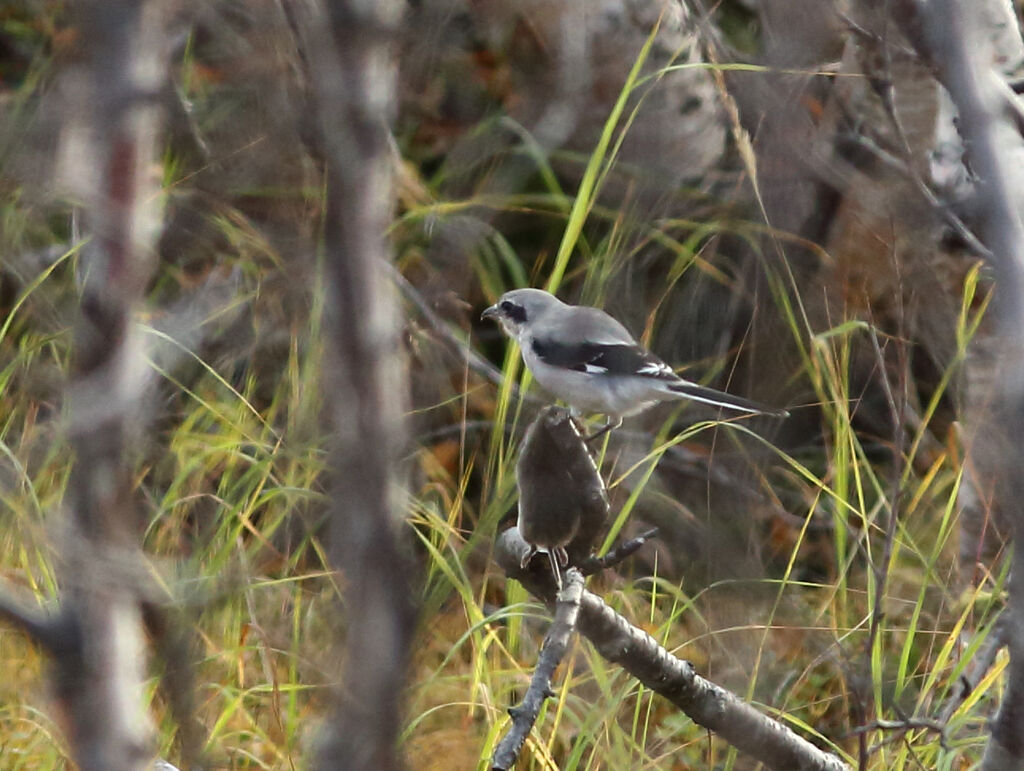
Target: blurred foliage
[638, 198]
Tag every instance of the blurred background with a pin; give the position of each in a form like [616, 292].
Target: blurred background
[767, 193]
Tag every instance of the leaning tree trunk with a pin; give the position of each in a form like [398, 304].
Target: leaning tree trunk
[110, 148]
[949, 34]
[348, 49]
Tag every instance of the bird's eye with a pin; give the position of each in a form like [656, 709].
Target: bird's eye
[513, 312]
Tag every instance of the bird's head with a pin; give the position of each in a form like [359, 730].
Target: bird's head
[518, 309]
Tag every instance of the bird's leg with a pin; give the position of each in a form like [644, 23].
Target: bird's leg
[527, 557]
[610, 424]
[554, 566]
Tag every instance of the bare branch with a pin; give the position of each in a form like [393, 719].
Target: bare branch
[768, 740]
[556, 643]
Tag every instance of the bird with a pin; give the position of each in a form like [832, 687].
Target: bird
[590, 361]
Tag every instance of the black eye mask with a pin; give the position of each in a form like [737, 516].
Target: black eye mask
[514, 312]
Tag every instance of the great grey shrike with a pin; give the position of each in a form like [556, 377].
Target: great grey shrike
[589, 360]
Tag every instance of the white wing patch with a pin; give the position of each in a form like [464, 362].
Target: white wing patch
[594, 369]
[655, 368]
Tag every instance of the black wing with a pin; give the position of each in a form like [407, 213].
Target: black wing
[603, 359]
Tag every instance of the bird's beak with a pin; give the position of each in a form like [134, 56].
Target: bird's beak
[490, 313]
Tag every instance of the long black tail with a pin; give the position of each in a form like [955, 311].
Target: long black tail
[687, 390]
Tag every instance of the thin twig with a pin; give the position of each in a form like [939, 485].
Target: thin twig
[906, 165]
[619, 554]
[476, 362]
[896, 409]
[906, 724]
